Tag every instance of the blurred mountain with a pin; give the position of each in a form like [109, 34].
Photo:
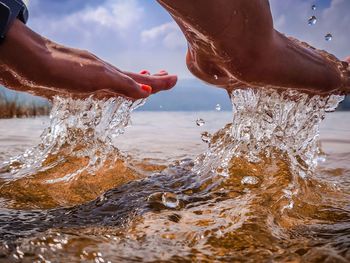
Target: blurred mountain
[188, 95]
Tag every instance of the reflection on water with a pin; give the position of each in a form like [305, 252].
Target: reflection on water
[241, 199]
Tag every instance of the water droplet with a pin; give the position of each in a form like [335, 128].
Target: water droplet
[312, 21]
[200, 122]
[170, 200]
[313, 7]
[328, 37]
[206, 137]
[216, 77]
[251, 180]
[218, 107]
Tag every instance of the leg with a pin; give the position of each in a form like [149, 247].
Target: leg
[233, 43]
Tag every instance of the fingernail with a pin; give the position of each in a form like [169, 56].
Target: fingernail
[145, 72]
[146, 88]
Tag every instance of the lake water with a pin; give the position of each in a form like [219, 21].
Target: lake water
[158, 211]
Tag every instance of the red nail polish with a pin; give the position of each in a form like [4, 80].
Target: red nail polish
[145, 72]
[146, 88]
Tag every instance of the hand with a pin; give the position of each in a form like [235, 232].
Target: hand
[37, 65]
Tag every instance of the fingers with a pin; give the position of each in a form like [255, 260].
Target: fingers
[128, 87]
[145, 72]
[160, 81]
[160, 73]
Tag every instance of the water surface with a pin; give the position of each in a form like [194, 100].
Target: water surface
[151, 205]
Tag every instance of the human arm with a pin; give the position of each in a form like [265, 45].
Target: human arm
[32, 63]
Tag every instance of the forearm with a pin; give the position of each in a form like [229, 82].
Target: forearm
[20, 51]
[32, 63]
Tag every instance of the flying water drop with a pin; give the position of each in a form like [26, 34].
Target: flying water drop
[312, 20]
[206, 137]
[216, 77]
[313, 7]
[218, 107]
[328, 37]
[200, 122]
[170, 200]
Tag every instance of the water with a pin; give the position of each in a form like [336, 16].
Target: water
[252, 180]
[206, 137]
[218, 107]
[313, 7]
[328, 37]
[200, 122]
[312, 21]
[247, 195]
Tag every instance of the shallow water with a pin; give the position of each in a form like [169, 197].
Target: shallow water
[152, 205]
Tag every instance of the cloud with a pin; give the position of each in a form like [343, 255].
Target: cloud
[86, 25]
[168, 34]
[114, 14]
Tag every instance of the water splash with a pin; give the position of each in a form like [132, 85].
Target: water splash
[82, 130]
[270, 123]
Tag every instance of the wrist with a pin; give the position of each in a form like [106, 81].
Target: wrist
[22, 51]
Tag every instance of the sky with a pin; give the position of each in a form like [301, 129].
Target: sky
[140, 34]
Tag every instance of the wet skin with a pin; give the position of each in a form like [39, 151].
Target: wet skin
[232, 43]
[32, 63]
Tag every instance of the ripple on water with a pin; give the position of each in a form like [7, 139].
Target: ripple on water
[262, 208]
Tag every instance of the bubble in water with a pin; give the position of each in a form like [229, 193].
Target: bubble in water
[251, 180]
[218, 107]
[170, 200]
[312, 20]
[313, 7]
[200, 122]
[328, 37]
[206, 137]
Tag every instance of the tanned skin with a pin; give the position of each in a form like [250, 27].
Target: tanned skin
[232, 43]
[32, 63]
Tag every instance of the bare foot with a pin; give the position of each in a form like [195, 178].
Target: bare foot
[233, 44]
